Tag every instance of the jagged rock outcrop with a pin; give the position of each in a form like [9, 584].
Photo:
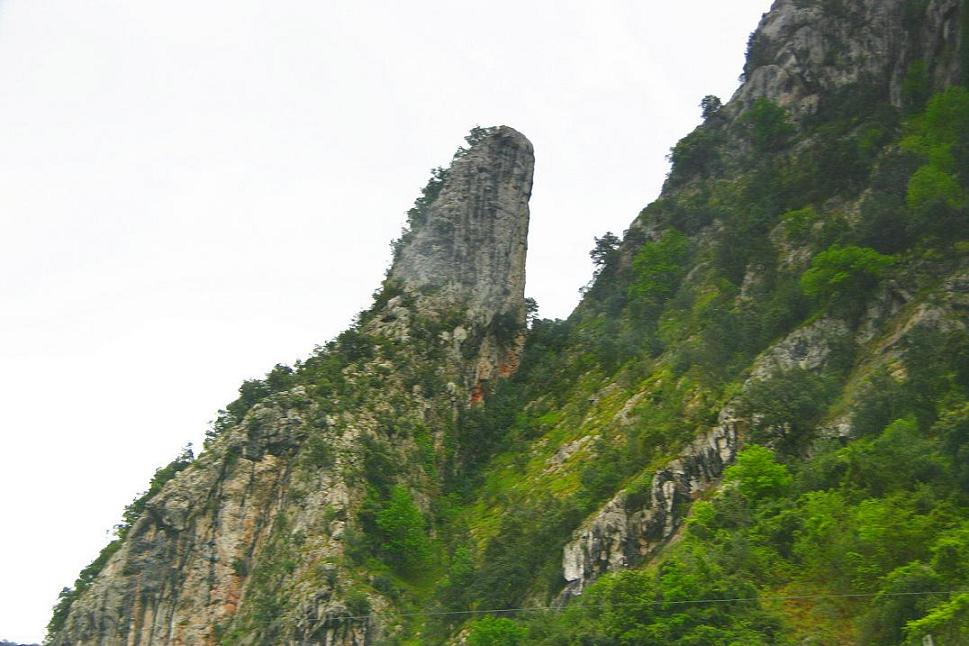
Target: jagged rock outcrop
[249, 544]
[468, 253]
[698, 334]
[803, 51]
[626, 532]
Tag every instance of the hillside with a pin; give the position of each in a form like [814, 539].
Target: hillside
[752, 430]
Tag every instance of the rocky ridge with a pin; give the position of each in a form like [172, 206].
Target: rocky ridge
[249, 544]
[801, 53]
[589, 460]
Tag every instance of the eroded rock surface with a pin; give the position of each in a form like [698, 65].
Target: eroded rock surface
[248, 545]
[802, 51]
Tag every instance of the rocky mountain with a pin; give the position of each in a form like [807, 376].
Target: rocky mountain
[753, 429]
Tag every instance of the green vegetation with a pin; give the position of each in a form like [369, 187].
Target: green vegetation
[659, 266]
[402, 533]
[844, 273]
[854, 215]
[768, 126]
[492, 631]
[676, 322]
[758, 475]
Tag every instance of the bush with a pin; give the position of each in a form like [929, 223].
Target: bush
[931, 185]
[785, 408]
[659, 266]
[403, 533]
[696, 154]
[948, 623]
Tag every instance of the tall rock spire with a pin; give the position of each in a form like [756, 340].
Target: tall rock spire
[466, 254]
[471, 245]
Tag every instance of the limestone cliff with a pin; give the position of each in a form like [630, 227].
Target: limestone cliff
[251, 543]
[762, 400]
[803, 52]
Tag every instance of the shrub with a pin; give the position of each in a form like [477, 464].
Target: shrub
[710, 105]
[916, 86]
[695, 155]
[931, 185]
[948, 623]
[659, 266]
[403, 532]
[785, 407]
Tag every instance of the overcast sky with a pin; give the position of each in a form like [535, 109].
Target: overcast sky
[192, 191]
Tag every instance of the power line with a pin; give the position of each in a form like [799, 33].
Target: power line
[792, 597]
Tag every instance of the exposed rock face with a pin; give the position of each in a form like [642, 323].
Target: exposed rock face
[806, 348]
[626, 531]
[802, 50]
[469, 253]
[623, 533]
[248, 545]
[472, 245]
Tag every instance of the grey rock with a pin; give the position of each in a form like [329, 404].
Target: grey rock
[619, 536]
[803, 51]
[472, 246]
[184, 573]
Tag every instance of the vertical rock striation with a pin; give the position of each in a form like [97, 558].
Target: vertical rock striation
[471, 245]
[468, 253]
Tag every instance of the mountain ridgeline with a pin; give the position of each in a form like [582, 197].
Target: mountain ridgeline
[754, 429]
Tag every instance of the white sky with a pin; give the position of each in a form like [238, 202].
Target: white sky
[191, 192]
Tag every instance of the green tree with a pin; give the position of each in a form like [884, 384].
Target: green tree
[930, 185]
[710, 105]
[604, 251]
[404, 532]
[496, 631]
[785, 407]
[844, 271]
[758, 475]
[948, 623]
[767, 125]
[659, 266]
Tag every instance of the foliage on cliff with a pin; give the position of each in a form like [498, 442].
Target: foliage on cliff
[845, 539]
[804, 273]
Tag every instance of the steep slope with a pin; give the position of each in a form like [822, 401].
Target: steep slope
[753, 429]
[259, 540]
[795, 301]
